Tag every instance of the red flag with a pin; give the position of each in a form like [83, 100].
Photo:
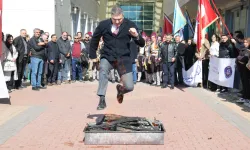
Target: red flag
[168, 26]
[1, 5]
[206, 16]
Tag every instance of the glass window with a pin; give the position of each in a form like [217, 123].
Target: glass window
[141, 13]
[148, 16]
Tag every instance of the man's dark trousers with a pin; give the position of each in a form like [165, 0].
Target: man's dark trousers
[53, 71]
[168, 73]
[20, 71]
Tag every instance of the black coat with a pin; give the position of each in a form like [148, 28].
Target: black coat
[36, 50]
[167, 52]
[115, 46]
[18, 43]
[226, 50]
[133, 51]
[53, 51]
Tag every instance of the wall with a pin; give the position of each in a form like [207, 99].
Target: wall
[28, 14]
[62, 16]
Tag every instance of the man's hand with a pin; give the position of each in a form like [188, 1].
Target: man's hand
[60, 61]
[41, 44]
[173, 59]
[133, 32]
[68, 54]
[52, 61]
[14, 60]
[233, 41]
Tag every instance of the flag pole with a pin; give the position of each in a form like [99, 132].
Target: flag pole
[221, 18]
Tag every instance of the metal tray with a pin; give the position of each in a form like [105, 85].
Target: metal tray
[124, 137]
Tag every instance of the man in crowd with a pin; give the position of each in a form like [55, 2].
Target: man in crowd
[37, 55]
[180, 47]
[77, 49]
[65, 50]
[168, 54]
[117, 33]
[22, 47]
[53, 59]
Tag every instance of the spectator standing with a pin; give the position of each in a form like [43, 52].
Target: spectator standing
[37, 59]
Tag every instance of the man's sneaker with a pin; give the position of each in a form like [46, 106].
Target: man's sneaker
[91, 80]
[102, 103]
[35, 89]
[73, 81]
[241, 100]
[164, 86]
[119, 96]
[49, 84]
[53, 83]
[42, 87]
[58, 82]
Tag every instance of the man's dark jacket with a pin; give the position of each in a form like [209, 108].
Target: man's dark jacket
[167, 52]
[64, 48]
[36, 50]
[116, 47]
[18, 43]
[226, 50]
[53, 51]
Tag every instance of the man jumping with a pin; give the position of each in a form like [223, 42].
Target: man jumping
[117, 33]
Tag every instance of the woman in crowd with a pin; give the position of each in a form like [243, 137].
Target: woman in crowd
[9, 62]
[214, 52]
[155, 63]
[189, 54]
[241, 62]
[147, 62]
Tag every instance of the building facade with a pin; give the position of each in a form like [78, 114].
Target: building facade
[53, 16]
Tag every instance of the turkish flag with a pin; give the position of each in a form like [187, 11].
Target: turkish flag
[168, 26]
[206, 16]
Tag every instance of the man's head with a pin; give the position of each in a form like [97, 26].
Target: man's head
[177, 39]
[189, 41]
[23, 33]
[44, 37]
[64, 35]
[47, 33]
[117, 15]
[69, 37]
[168, 38]
[224, 38]
[37, 32]
[86, 37]
[53, 38]
[79, 34]
[76, 38]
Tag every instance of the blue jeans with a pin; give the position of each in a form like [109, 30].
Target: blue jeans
[76, 68]
[37, 70]
[168, 70]
[134, 72]
[59, 75]
[66, 70]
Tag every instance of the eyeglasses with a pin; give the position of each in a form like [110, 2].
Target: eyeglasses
[76, 38]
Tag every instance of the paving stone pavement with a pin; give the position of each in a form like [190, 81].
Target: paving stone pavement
[55, 118]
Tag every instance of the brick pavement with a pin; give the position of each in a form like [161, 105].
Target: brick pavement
[190, 122]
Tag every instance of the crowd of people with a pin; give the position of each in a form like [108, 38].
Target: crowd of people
[45, 62]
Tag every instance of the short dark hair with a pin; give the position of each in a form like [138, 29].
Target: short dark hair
[64, 32]
[223, 35]
[53, 35]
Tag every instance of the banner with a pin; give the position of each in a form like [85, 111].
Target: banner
[3, 89]
[221, 71]
[193, 76]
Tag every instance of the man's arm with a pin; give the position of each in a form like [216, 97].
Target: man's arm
[61, 48]
[34, 45]
[95, 41]
[50, 53]
[15, 43]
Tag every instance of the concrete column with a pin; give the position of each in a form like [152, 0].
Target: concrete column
[79, 26]
[248, 19]
[86, 24]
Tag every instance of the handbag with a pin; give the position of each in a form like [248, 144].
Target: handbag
[9, 66]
